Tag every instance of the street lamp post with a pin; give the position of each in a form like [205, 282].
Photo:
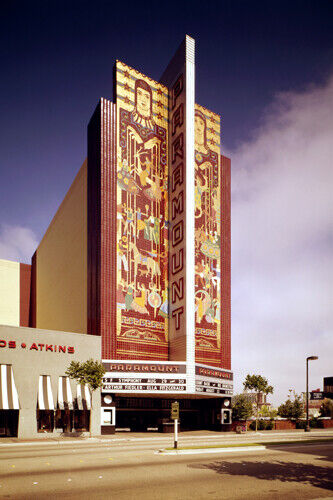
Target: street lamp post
[309, 358]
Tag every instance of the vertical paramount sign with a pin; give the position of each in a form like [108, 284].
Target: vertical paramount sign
[179, 77]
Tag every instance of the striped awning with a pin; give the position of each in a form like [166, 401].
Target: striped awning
[65, 398]
[45, 399]
[8, 393]
[83, 397]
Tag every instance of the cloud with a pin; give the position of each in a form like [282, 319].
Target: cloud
[17, 243]
[282, 243]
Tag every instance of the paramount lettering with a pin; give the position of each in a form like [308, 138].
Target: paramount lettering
[177, 206]
[141, 367]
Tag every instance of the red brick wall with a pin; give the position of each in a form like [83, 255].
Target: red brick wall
[326, 423]
[237, 423]
[225, 264]
[281, 425]
[102, 227]
[108, 229]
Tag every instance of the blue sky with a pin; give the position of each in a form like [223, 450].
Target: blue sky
[266, 67]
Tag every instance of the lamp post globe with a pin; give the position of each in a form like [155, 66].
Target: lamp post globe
[309, 358]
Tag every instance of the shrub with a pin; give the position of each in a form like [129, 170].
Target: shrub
[313, 422]
[263, 425]
[269, 425]
[326, 409]
[252, 426]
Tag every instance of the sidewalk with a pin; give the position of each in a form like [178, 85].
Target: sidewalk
[210, 436]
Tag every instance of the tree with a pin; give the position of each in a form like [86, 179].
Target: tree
[259, 385]
[241, 407]
[326, 409]
[89, 372]
[293, 407]
[265, 411]
[285, 410]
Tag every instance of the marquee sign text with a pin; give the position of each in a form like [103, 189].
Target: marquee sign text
[144, 367]
[36, 346]
[212, 372]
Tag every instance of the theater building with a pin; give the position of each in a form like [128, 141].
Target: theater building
[137, 256]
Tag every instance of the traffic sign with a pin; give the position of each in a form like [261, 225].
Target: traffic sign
[317, 395]
[175, 411]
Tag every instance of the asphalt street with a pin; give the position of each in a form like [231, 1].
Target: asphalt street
[130, 467]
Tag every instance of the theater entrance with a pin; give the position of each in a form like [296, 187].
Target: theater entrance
[153, 414]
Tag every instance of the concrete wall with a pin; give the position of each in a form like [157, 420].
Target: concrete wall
[15, 288]
[28, 363]
[61, 264]
[25, 294]
[9, 293]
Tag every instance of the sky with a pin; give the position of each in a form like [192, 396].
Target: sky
[267, 68]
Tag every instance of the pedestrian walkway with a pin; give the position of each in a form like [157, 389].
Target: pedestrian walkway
[184, 437]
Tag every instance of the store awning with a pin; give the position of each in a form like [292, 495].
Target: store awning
[8, 393]
[65, 398]
[83, 397]
[45, 397]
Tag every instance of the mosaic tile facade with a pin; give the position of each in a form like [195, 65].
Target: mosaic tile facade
[142, 213]
[207, 235]
[129, 205]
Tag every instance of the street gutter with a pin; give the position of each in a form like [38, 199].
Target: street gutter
[195, 451]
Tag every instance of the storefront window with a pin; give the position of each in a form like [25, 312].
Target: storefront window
[9, 423]
[45, 420]
[64, 420]
[82, 420]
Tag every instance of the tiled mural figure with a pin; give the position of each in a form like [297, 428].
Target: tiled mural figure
[208, 234]
[142, 208]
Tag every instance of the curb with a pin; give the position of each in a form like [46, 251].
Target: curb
[55, 442]
[230, 449]
[212, 450]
